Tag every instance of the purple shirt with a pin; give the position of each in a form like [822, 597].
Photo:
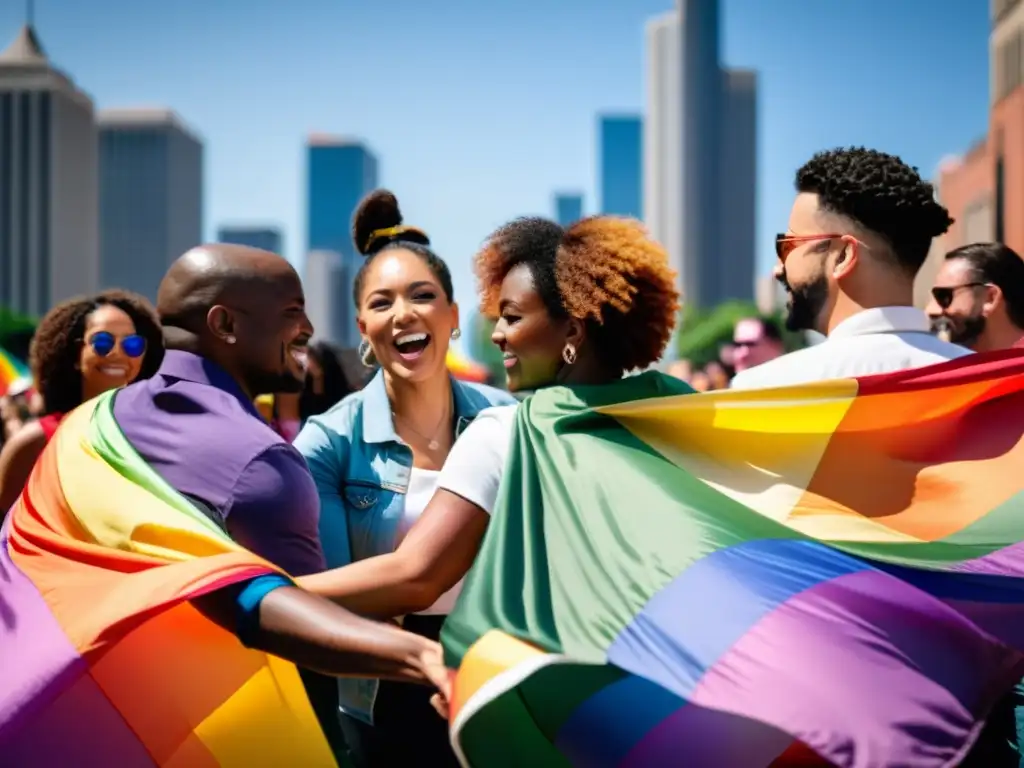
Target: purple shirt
[193, 424]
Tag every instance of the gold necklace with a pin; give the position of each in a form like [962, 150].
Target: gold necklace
[432, 442]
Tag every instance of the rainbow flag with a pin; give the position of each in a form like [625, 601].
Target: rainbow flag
[736, 578]
[105, 662]
[11, 369]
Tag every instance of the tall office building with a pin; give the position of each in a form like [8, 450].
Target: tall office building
[327, 295]
[737, 239]
[700, 156]
[339, 173]
[151, 195]
[568, 207]
[621, 158]
[663, 146]
[48, 187]
[266, 238]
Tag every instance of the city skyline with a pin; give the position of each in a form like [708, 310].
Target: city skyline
[464, 160]
[150, 195]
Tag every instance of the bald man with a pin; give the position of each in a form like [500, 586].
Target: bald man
[236, 327]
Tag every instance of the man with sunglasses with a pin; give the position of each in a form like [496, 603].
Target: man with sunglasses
[978, 297]
[860, 228]
[755, 341]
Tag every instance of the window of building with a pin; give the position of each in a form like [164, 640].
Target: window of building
[1009, 65]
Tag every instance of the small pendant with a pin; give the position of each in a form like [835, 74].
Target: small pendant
[433, 445]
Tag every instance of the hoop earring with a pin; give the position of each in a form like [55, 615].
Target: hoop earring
[366, 356]
[569, 354]
[456, 334]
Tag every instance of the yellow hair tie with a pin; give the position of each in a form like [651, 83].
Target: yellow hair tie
[392, 232]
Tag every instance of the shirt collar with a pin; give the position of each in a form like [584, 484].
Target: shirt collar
[187, 366]
[883, 320]
[379, 424]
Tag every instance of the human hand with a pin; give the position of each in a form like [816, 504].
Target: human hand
[432, 666]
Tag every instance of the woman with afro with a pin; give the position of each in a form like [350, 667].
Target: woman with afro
[582, 305]
[82, 348]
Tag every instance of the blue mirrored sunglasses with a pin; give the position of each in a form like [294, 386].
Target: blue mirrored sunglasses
[103, 344]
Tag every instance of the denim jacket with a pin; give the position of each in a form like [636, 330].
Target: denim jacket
[361, 468]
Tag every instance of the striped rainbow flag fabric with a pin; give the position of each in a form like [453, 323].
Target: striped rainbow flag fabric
[829, 573]
[11, 370]
[104, 660]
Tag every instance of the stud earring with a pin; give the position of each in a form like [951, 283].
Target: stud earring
[456, 333]
[230, 339]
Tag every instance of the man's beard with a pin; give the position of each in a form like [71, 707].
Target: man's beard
[282, 381]
[966, 332]
[806, 303]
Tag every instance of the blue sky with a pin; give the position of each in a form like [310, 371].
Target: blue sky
[479, 110]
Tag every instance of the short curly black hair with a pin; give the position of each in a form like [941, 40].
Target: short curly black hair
[377, 227]
[882, 194]
[604, 270]
[53, 353]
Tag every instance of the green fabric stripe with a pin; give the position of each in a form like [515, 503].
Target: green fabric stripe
[107, 439]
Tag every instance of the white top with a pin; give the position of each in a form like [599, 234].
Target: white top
[880, 340]
[476, 462]
[422, 484]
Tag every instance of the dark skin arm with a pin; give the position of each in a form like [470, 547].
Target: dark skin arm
[316, 634]
[17, 459]
[436, 553]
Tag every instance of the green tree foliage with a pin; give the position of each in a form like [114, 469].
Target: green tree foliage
[16, 332]
[482, 350]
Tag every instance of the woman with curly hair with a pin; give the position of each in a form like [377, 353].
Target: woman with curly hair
[583, 305]
[82, 348]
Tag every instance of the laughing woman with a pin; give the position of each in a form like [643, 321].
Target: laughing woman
[376, 456]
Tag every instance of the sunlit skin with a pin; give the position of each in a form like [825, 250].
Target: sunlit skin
[977, 314]
[408, 321]
[532, 352]
[116, 369]
[830, 280]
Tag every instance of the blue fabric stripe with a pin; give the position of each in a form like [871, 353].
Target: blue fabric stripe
[683, 629]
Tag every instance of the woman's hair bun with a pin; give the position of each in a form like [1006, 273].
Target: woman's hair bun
[379, 211]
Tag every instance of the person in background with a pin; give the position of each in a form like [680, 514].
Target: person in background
[326, 385]
[376, 456]
[979, 296]
[755, 340]
[82, 348]
[681, 369]
[718, 378]
[859, 230]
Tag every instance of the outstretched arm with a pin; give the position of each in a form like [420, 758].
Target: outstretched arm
[437, 552]
[316, 634]
[441, 546]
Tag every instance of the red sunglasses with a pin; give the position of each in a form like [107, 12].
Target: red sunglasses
[785, 244]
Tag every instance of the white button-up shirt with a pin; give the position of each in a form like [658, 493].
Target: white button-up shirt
[880, 340]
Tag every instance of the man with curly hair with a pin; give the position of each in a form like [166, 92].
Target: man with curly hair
[859, 230]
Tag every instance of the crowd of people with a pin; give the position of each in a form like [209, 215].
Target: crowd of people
[375, 499]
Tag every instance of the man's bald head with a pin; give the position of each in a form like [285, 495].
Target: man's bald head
[214, 274]
[241, 308]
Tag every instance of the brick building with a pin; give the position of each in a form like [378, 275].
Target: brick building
[984, 189]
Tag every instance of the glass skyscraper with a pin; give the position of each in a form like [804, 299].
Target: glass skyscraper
[621, 151]
[339, 173]
[265, 238]
[151, 196]
[568, 208]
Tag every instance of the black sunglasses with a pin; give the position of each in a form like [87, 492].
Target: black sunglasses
[103, 343]
[944, 294]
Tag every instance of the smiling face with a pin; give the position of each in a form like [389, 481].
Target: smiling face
[272, 333]
[530, 339]
[406, 316]
[112, 353]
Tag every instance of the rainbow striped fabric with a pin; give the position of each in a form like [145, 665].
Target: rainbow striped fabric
[832, 571]
[105, 662]
[11, 370]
